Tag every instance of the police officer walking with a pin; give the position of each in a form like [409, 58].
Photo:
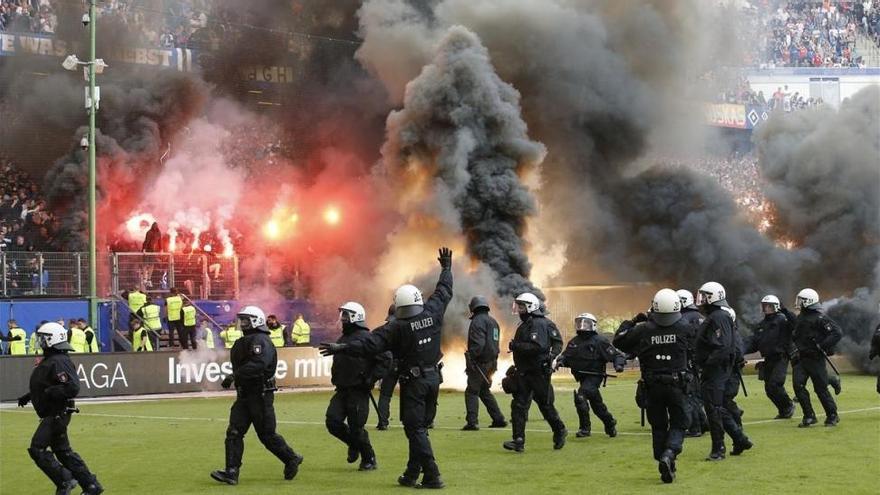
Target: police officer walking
[351, 375]
[716, 353]
[535, 345]
[389, 381]
[587, 355]
[772, 338]
[481, 361]
[414, 339]
[660, 342]
[53, 386]
[254, 361]
[698, 422]
[814, 337]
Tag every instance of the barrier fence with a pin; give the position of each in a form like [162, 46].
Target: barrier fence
[201, 275]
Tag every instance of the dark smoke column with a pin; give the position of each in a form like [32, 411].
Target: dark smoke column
[462, 125]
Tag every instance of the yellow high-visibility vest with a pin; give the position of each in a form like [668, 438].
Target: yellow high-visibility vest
[78, 340]
[151, 317]
[189, 316]
[230, 335]
[94, 346]
[209, 338]
[173, 305]
[277, 336]
[140, 341]
[18, 347]
[34, 346]
[301, 331]
[136, 300]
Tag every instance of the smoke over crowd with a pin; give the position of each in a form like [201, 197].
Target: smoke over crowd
[499, 127]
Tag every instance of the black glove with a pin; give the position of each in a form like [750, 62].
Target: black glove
[328, 349]
[227, 382]
[23, 400]
[559, 364]
[618, 369]
[445, 258]
[640, 318]
[512, 346]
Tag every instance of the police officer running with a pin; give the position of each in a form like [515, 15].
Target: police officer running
[414, 339]
[351, 375]
[254, 361]
[53, 386]
[535, 345]
[698, 422]
[814, 337]
[587, 355]
[481, 361]
[772, 338]
[716, 353]
[660, 342]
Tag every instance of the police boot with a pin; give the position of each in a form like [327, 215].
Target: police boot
[788, 413]
[434, 482]
[499, 424]
[516, 445]
[353, 455]
[368, 464]
[582, 433]
[718, 451]
[228, 476]
[408, 479]
[832, 420]
[834, 381]
[611, 428]
[559, 438]
[65, 487]
[94, 488]
[470, 427]
[741, 446]
[292, 467]
[808, 421]
[666, 466]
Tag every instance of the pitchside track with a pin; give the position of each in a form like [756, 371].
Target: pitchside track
[169, 446]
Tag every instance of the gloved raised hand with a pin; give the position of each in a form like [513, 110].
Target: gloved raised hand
[24, 399]
[329, 349]
[227, 382]
[640, 318]
[445, 258]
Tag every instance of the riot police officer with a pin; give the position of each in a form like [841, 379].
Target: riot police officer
[875, 351]
[414, 339]
[53, 386]
[481, 360]
[731, 389]
[772, 338]
[814, 337]
[660, 342]
[254, 361]
[587, 355]
[698, 422]
[351, 375]
[387, 373]
[715, 355]
[535, 345]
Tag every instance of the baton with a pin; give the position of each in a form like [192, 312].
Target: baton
[376, 408]
[743, 384]
[469, 360]
[827, 359]
[643, 416]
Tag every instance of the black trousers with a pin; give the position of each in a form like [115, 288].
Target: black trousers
[188, 334]
[714, 381]
[154, 339]
[418, 407]
[61, 463]
[479, 390]
[774, 373]
[696, 412]
[731, 390]
[386, 391]
[345, 419]
[533, 386]
[667, 415]
[176, 326]
[258, 410]
[812, 367]
[588, 395]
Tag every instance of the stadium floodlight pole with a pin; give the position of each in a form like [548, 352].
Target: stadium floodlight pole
[93, 109]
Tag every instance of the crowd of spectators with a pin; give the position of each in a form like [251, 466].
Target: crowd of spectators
[32, 16]
[781, 99]
[25, 222]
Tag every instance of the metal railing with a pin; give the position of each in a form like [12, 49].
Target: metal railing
[201, 275]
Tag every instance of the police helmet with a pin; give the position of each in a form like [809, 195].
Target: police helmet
[352, 312]
[52, 335]
[665, 307]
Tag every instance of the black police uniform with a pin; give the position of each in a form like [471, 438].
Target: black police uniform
[415, 344]
[254, 361]
[587, 355]
[772, 338]
[814, 331]
[53, 386]
[715, 355]
[875, 351]
[663, 359]
[482, 352]
[387, 385]
[535, 344]
[350, 406]
[698, 422]
[731, 390]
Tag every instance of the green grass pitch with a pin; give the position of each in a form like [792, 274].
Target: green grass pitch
[169, 446]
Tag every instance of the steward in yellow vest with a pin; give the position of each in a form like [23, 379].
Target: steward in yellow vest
[136, 300]
[301, 331]
[276, 330]
[140, 341]
[76, 337]
[173, 306]
[188, 333]
[92, 344]
[230, 335]
[34, 347]
[17, 339]
[207, 334]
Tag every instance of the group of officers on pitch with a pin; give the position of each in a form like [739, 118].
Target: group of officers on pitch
[687, 353]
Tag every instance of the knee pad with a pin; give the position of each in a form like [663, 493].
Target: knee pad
[233, 433]
[37, 454]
